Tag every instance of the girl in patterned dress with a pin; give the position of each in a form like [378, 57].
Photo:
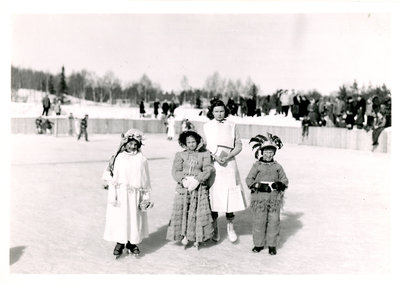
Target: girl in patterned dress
[191, 219]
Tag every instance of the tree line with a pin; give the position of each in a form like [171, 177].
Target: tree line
[109, 89]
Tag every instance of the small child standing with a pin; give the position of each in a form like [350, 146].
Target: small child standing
[267, 181]
[191, 219]
[128, 195]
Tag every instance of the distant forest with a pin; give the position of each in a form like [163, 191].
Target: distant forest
[108, 88]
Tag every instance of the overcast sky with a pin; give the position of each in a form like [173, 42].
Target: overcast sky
[300, 51]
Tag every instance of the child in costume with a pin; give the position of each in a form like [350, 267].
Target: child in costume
[267, 181]
[128, 195]
[191, 219]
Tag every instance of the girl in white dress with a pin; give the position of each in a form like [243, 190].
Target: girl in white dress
[128, 195]
[226, 192]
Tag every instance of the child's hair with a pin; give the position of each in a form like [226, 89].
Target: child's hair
[217, 103]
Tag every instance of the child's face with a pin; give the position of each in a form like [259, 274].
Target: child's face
[219, 113]
[268, 155]
[191, 143]
[131, 146]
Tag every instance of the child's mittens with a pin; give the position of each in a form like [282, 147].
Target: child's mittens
[255, 186]
[185, 183]
[278, 186]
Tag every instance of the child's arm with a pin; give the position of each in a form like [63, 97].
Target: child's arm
[251, 177]
[146, 180]
[177, 168]
[207, 169]
[282, 176]
[282, 183]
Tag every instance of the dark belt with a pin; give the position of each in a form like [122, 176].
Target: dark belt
[263, 188]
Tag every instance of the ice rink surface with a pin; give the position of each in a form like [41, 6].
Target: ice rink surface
[336, 217]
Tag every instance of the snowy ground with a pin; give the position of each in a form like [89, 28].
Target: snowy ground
[336, 218]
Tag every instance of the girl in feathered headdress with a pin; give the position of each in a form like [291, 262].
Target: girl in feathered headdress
[129, 189]
[267, 181]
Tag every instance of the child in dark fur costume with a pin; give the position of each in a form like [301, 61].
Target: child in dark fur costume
[267, 181]
[191, 219]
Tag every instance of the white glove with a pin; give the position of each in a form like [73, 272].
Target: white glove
[185, 183]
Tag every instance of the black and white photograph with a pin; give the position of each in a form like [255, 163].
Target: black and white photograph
[200, 138]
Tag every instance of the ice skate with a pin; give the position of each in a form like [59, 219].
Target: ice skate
[196, 245]
[257, 249]
[272, 250]
[231, 232]
[133, 249]
[215, 236]
[119, 248]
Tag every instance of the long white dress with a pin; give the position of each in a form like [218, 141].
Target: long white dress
[129, 185]
[226, 192]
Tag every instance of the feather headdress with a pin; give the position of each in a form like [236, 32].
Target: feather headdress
[261, 142]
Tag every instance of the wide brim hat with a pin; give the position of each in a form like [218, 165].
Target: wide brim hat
[182, 137]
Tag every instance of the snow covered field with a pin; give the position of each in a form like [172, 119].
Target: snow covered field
[336, 218]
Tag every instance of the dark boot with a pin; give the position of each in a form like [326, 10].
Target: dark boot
[132, 248]
[257, 249]
[272, 250]
[119, 248]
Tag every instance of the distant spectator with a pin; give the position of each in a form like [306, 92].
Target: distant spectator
[359, 120]
[376, 104]
[338, 110]
[369, 114]
[165, 108]
[57, 107]
[232, 107]
[186, 125]
[46, 105]
[171, 127]
[304, 102]
[142, 111]
[350, 113]
[296, 106]
[378, 127]
[83, 128]
[172, 108]
[361, 103]
[312, 113]
[285, 102]
[266, 105]
[39, 127]
[327, 121]
[48, 126]
[251, 107]
[305, 125]
[243, 107]
[156, 106]
[198, 102]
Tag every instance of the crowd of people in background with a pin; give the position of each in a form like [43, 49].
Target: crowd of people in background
[351, 112]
